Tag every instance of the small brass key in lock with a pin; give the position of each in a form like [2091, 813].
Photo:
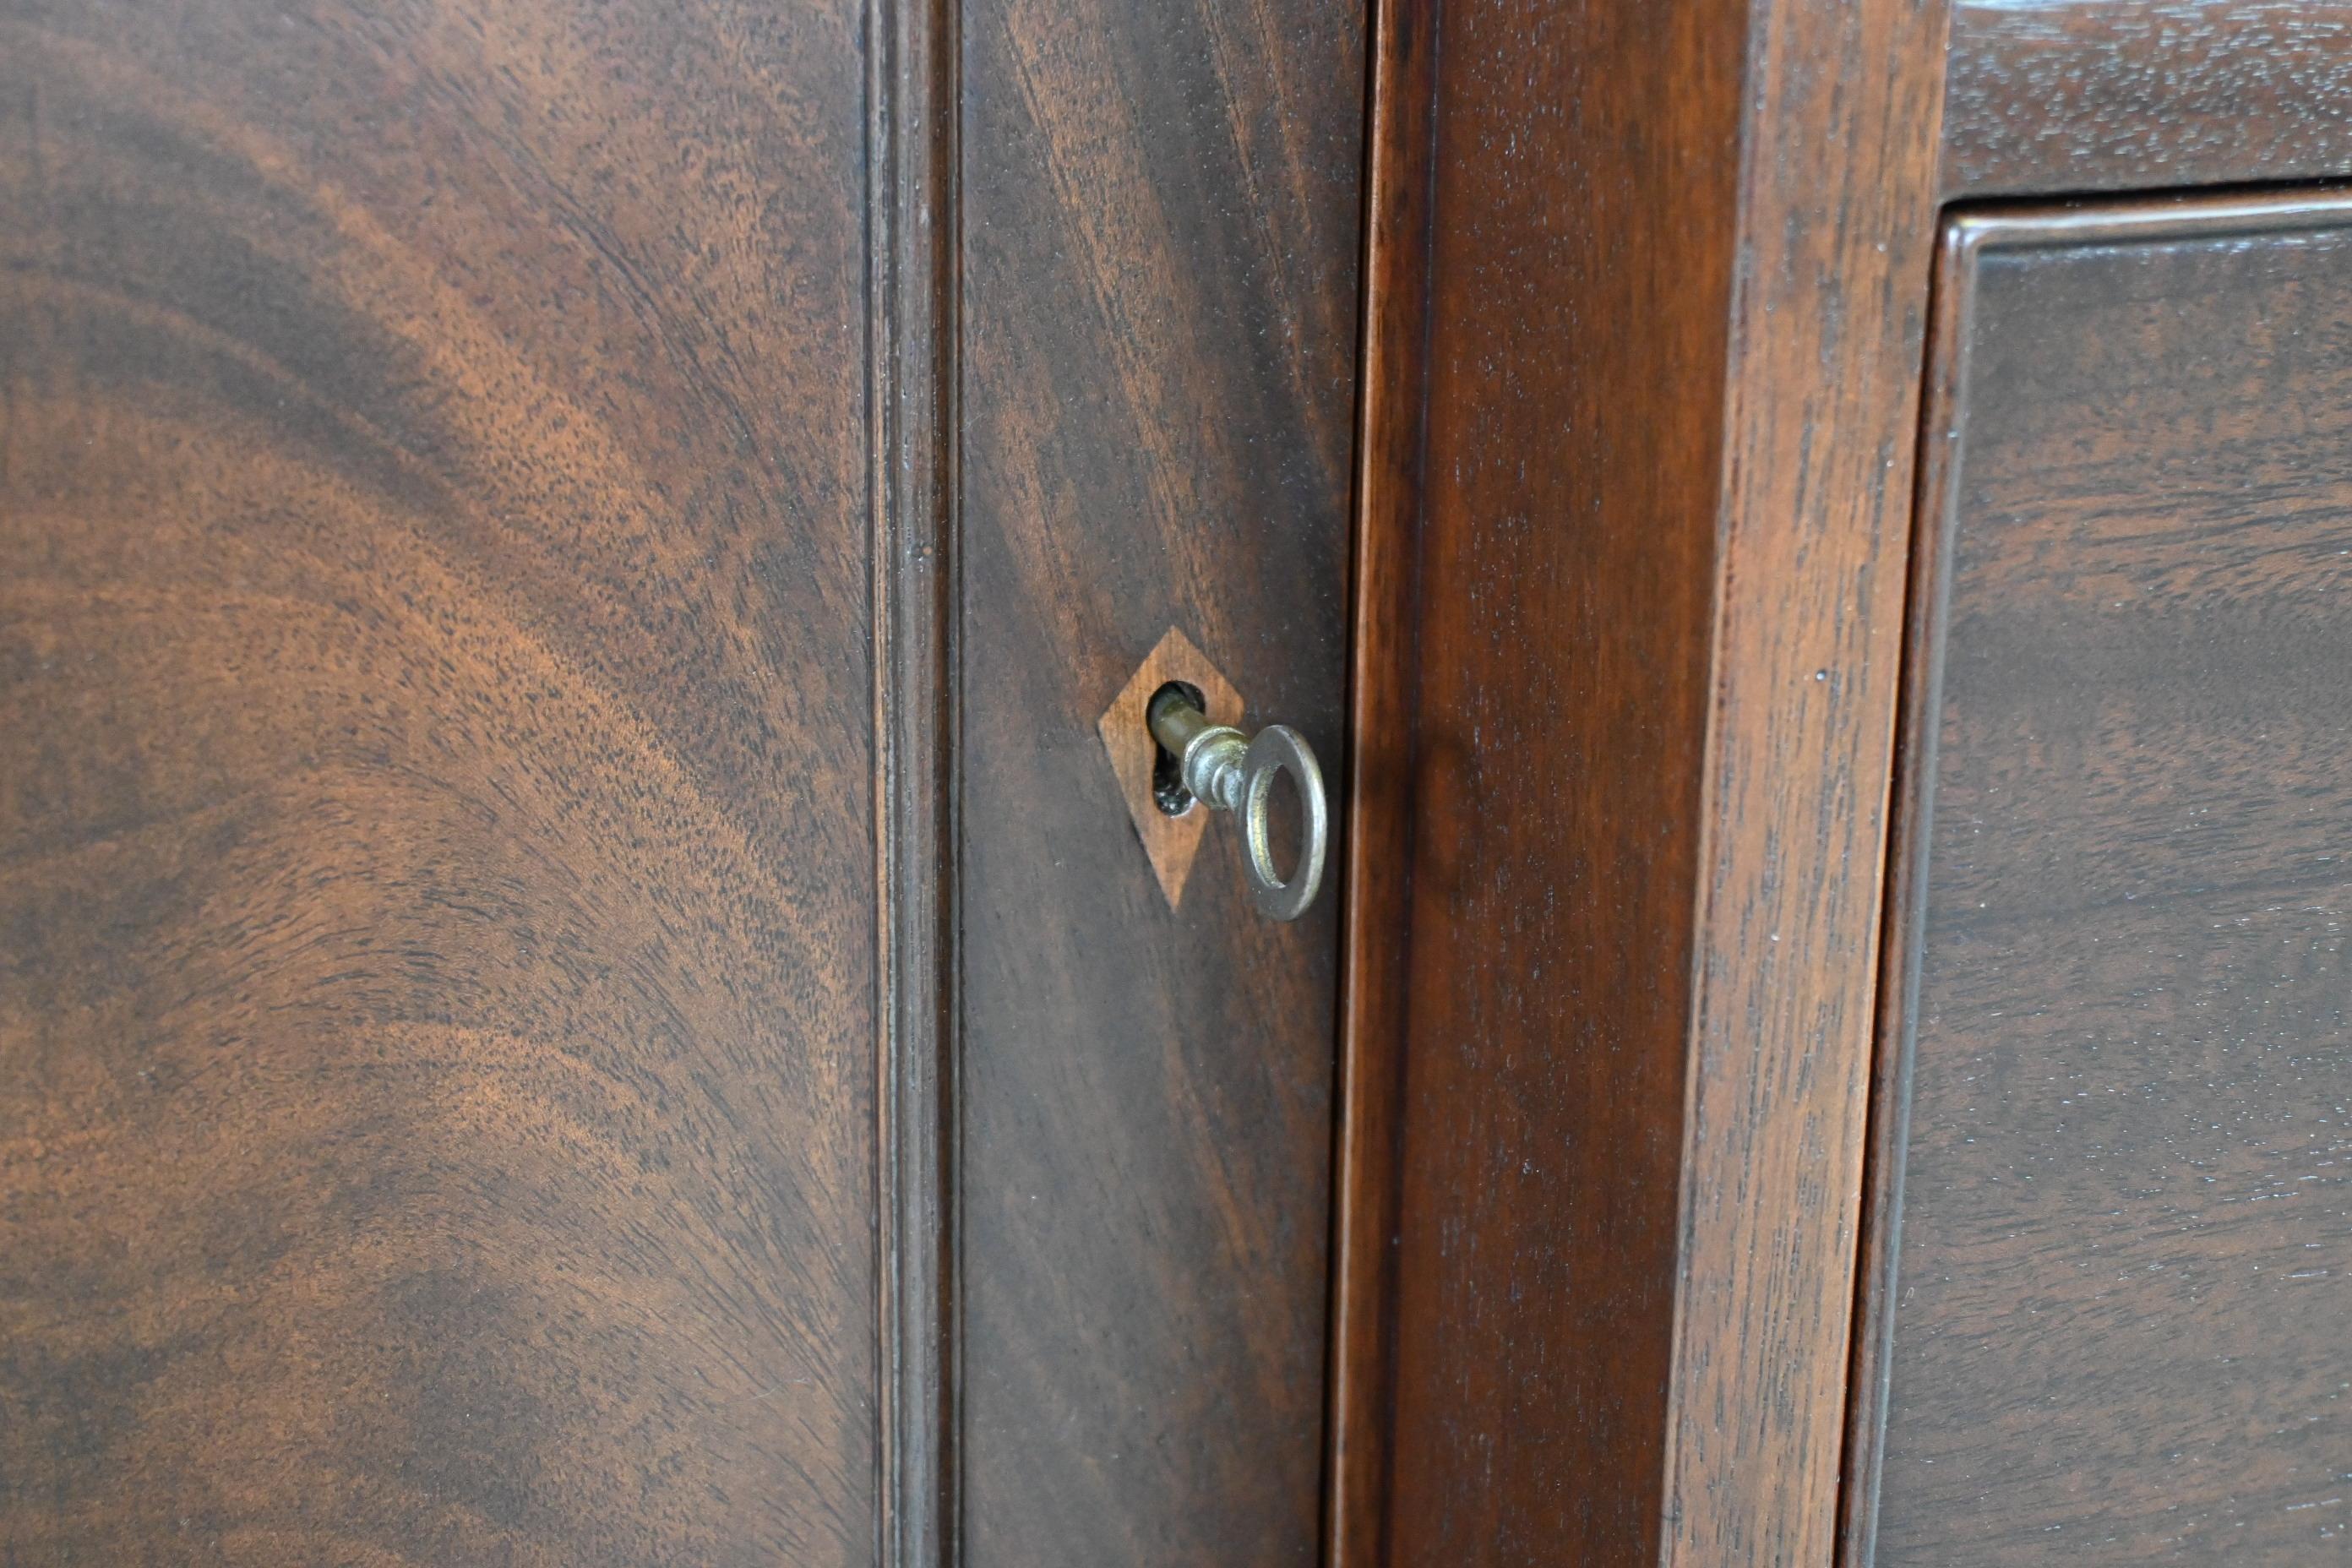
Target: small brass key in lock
[1233, 772]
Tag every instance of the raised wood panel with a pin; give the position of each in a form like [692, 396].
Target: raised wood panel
[2053, 95]
[1160, 212]
[2113, 1210]
[1629, 603]
[436, 832]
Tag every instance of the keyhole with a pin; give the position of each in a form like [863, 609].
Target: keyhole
[1167, 791]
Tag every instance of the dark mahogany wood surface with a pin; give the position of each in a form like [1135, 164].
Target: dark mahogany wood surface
[913, 241]
[1547, 970]
[1160, 212]
[1635, 537]
[2123, 1211]
[1376, 866]
[2057, 95]
[436, 834]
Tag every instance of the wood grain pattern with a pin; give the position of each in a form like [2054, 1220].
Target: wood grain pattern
[1171, 844]
[913, 245]
[2108, 95]
[1572, 450]
[436, 1011]
[1375, 864]
[1677, 270]
[1827, 323]
[1161, 216]
[2121, 1213]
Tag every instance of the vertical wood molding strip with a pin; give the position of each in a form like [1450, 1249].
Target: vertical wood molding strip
[1837, 246]
[1376, 847]
[913, 236]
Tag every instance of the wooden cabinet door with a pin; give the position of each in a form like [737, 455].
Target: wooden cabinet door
[2105, 1321]
[1157, 313]
[573, 965]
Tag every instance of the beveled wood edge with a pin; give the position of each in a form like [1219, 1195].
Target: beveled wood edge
[1966, 234]
[2155, 95]
[2125, 217]
[1911, 806]
[1843, 118]
[1376, 852]
[914, 236]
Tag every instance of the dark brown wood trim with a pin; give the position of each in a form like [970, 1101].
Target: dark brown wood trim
[913, 239]
[1899, 957]
[1376, 869]
[1836, 243]
[2112, 95]
[1659, 460]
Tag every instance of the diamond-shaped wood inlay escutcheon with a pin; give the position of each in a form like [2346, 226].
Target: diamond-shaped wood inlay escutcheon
[1171, 842]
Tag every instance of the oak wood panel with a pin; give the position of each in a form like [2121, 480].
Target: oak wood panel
[2105, 95]
[2114, 1171]
[436, 814]
[1161, 216]
[1675, 273]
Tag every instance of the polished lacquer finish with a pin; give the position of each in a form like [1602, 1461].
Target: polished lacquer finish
[2112, 1212]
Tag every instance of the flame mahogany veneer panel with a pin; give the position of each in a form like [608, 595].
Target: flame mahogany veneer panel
[436, 829]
